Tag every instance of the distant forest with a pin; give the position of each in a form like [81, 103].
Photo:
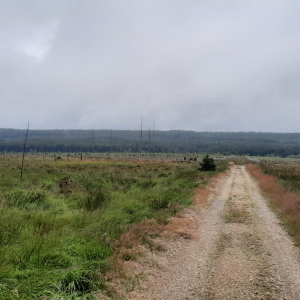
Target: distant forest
[172, 141]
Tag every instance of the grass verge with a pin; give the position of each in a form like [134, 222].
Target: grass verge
[283, 201]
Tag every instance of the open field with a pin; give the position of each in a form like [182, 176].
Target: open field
[83, 156]
[278, 159]
[62, 223]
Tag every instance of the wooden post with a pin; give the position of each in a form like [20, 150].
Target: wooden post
[141, 135]
[24, 151]
[149, 142]
[153, 137]
[111, 141]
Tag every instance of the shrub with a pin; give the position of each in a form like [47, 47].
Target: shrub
[158, 203]
[207, 164]
[95, 199]
[78, 282]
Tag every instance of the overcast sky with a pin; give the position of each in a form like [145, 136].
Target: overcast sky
[217, 65]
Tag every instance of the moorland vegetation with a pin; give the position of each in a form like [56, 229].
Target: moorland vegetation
[280, 182]
[60, 225]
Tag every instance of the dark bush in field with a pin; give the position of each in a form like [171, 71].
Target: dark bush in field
[207, 164]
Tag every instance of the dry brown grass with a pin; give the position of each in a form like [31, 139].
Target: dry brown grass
[137, 250]
[201, 195]
[286, 203]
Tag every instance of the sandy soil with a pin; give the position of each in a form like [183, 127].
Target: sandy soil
[239, 251]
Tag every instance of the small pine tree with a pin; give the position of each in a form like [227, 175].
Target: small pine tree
[207, 164]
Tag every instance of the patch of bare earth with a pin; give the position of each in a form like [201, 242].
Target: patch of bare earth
[229, 247]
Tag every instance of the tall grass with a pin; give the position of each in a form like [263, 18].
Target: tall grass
[282, 194]
[57, 235]
[288, 174]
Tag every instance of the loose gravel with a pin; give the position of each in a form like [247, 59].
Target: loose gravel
[240, 251]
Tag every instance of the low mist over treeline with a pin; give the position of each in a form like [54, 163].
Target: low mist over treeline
[174, 141]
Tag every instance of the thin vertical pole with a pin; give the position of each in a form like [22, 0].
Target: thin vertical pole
[153, 137]
[24, 151]
[93, 141]
[141, 134]
[111, 142]
[149, 141]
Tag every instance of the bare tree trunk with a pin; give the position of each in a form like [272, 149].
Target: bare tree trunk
[141, 135]
[81, 156]
[111, 140]
[24, 151]
[153, 137]
[93, 141]
[149, 142]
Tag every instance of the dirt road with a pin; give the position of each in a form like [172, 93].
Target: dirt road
[240, 252]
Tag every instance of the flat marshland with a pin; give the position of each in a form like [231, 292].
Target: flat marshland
[61, 224]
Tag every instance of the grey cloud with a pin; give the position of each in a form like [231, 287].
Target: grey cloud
[200, 65]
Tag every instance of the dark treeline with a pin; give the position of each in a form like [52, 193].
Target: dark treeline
[174, 141]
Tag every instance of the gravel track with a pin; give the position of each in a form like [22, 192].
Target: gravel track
[240, 251]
